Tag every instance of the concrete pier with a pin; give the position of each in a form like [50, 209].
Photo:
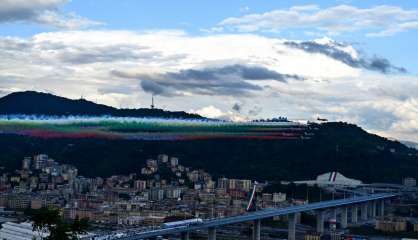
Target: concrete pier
[364, 211]
[257, 230]
[354, 214]
[334, 213]
[212, 233]
[382, 208]
[373, 209]
[185, 236]
[292, 227]
[344, 216]
[320, 221]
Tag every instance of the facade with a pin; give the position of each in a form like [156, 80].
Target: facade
[391, 224]
[409, 182]
[174, 161]
[415, 224]
[40, 161]
[312, 236]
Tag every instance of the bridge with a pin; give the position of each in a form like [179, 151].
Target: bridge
[369, 206]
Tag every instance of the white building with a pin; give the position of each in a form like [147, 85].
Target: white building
[174, 162]
[409, 182]
[279, 197]
[331, 179]
[19, 231]
[24, 231]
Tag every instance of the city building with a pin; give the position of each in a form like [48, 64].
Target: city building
[409, 182]
[20, 231]
[391, 224]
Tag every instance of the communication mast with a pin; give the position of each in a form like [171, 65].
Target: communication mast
[152, 101]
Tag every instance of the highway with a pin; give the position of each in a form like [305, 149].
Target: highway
[262, 214]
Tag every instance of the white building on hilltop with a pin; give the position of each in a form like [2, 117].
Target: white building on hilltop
[331, 179]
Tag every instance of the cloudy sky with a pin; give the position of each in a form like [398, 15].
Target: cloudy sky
[352, 61]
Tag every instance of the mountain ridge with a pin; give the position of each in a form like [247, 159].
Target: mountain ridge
[334, 146]
[39, 103]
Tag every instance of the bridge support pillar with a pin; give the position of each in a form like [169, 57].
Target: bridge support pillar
[354, 214]
[382, 208]
[334, 213]
[344, 216]
[298, 217]
[364, 211]
[370, 209]
[320, 221]
[185, 236]
[292, 227]
[374, 209]
[212, 233]
[257, 230]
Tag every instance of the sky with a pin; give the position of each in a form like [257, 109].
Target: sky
[344, 60]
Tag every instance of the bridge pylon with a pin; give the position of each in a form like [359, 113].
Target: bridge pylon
[257, 230]
[185, 236]
[292, 226]
[212, 233]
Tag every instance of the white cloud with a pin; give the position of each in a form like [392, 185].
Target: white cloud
[43, 12]
[382, 20]
[210, 112]
[392, 30]
[75, 63]
[214, 112]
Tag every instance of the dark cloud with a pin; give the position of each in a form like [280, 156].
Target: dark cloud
[400, 92]
[255, 111]
[374, 64]
[12, 12]
[383, 65]
[154, 88]
[226, 80]
[237, 107]
[84, 55]
[44, 12]
[117, 90]
[13, 44]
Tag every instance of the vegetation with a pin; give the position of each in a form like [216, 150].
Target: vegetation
[334, 147]
[46, 220]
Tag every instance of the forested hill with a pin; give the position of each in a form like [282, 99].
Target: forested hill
[37, 103]
[333, 147]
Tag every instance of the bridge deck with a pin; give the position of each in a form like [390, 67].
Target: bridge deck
[262, 214]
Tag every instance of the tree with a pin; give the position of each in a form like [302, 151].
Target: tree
[47, 221]
[43, 219]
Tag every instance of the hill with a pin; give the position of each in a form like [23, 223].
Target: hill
[37, 103]
[341, 147]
